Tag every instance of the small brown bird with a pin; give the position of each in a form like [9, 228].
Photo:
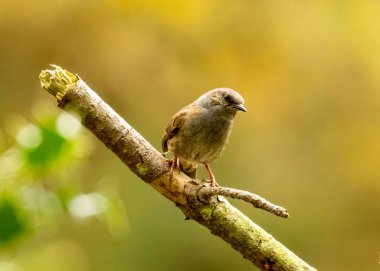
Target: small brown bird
[197, 133]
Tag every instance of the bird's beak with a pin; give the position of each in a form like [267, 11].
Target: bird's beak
[240, 107]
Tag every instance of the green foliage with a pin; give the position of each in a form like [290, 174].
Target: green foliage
[50, 149]
[41, 179]
[12, 225]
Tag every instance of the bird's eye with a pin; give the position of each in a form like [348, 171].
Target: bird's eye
[228, 99]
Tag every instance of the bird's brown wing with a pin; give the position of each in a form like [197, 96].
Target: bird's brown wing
[174, 129]
[174, 126]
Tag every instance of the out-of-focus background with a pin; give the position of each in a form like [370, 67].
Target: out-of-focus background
[310, 141]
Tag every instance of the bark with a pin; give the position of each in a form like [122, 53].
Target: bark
[196, 200]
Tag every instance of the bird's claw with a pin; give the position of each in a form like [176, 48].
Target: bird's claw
[173, 163]
[214, 183]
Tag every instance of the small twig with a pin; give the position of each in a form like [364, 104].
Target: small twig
[258, 202]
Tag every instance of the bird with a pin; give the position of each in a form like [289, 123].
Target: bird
[197, 134]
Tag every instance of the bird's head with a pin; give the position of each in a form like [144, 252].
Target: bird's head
[224, 98]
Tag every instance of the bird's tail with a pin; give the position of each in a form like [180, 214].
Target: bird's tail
[188, 168]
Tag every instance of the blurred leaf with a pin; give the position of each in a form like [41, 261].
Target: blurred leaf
[11, 225]
[49, 150]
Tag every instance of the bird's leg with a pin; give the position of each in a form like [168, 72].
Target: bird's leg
[212, 178]
[174, 163]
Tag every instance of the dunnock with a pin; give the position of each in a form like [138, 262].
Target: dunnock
[197, 133]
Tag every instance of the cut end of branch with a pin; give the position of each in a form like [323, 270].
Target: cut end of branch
[57, 81]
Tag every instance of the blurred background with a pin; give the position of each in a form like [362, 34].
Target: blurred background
[310, 140]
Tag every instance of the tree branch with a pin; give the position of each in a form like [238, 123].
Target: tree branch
[196, 200]
[208, 191]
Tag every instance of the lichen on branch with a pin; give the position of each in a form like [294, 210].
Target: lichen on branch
[57, 81]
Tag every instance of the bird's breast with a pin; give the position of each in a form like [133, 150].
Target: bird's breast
[203, 137]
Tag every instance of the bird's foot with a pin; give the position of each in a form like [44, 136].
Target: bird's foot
[212, 178]
[214, 183]
[173, 163]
